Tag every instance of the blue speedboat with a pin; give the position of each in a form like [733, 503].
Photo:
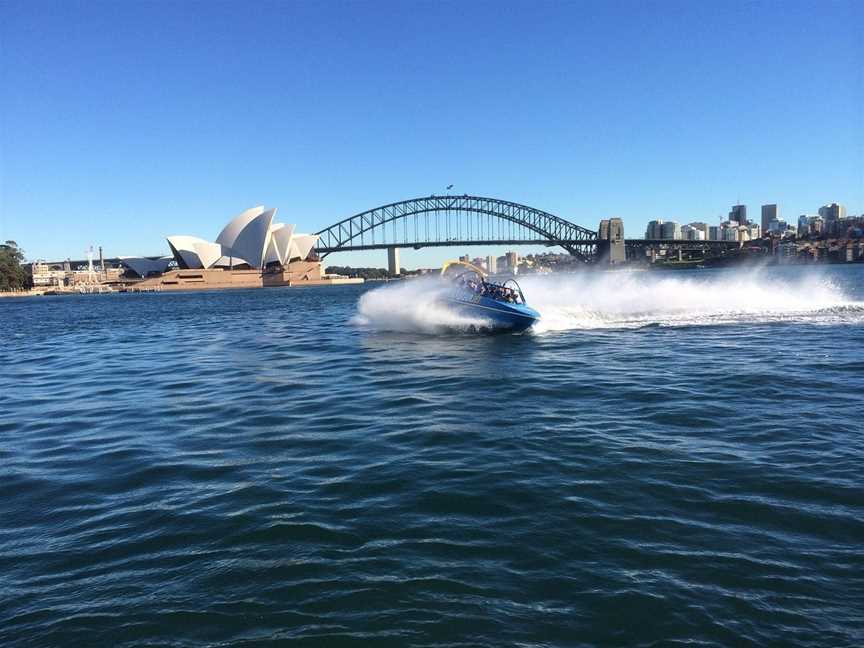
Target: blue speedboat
[500, 307]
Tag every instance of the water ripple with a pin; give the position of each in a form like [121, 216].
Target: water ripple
[668, 460]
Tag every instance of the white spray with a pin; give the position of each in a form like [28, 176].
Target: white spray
[592, 300]
[411, 305]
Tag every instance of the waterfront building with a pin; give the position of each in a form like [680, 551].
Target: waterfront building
[703, 227]
[849, 226]
[769, 213]
[817, 226]
[670, 230]
[787, 252]
[251, 239]
[776, 226]
[654, 230]
[491, 264]
[738, 214]
[715, 233]
[47, 275]
[690, 233]
[832, 212]
[512, 261]
[753, 232]
[729, 234]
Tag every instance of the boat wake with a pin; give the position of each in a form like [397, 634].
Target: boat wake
[626, 300]
[616, 300]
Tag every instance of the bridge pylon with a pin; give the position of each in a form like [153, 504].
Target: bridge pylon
[611, 248]
[393, 261]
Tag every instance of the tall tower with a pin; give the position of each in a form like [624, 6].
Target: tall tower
[738, 214]
[832, 212]
[769, 213]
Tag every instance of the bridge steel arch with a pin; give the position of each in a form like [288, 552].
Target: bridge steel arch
[435, 221]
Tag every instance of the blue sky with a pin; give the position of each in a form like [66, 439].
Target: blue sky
[124, 122]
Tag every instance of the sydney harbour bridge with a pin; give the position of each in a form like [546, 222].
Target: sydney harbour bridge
[461, 221]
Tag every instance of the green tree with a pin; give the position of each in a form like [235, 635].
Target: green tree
[366, 273]
[12, 275]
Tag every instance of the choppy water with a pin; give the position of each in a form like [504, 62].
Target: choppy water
[668, 459]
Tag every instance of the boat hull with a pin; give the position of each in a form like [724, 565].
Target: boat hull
[495, 315]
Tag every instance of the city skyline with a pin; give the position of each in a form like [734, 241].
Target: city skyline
[115, 135]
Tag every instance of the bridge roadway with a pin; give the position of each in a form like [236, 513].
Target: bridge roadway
[632, 246]
[630, 243]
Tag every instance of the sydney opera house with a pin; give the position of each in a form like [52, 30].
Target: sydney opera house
[251, 251]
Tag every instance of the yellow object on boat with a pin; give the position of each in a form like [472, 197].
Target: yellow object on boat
[463, 264]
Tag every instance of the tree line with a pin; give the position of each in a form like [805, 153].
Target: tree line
[13, 276]
[366, 273]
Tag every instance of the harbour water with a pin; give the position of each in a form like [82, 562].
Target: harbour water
[669, 459]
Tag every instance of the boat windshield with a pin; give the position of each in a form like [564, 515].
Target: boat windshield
[503, 293]
[499, 292]
[470, 277]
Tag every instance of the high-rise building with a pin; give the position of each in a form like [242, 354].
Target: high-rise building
[654, 230]
[738, 214]
[729, 234]
[777, 226]
[491, 264]
[704, 228]
[512, 261]
[832, 212]
[690, 233]
[804, 223]
[670, 230]
[769, 213]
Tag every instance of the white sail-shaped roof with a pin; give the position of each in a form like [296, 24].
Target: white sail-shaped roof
[236, 224]
[142, 266]
[280, 242]
[248, 235]
[301, 245]
[193, 252]
[250, 238]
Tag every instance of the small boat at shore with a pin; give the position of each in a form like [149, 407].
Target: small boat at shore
[499, 306]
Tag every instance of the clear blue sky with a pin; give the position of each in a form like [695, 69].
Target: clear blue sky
[124, 122]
